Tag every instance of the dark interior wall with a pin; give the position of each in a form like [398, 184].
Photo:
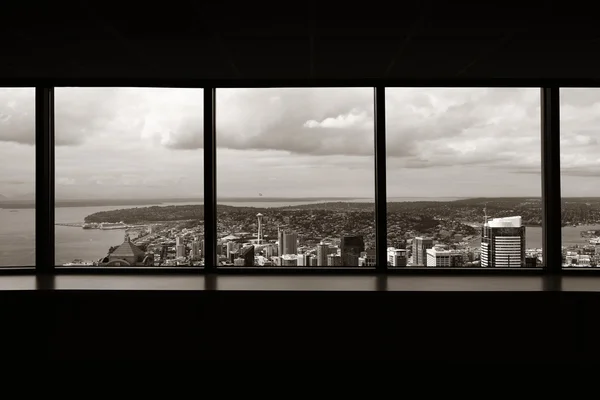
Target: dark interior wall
[276, 325]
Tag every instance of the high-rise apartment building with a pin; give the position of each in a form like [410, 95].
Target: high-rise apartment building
[503, 243]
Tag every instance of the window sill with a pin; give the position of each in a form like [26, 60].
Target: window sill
[364, 283]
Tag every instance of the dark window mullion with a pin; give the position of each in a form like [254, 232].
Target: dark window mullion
[44, 179]
[380, 180]
[210, 180]
[551, 193]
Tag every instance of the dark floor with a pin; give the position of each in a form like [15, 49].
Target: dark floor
[300, 317]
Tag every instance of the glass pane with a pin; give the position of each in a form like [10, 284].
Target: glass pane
[464, 184]
[295, 177]
[580, 165]
[17, 177]
[129, 177]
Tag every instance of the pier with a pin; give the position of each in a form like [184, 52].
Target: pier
[72, 224]
[80, 225]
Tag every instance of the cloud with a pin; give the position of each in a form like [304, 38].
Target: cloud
[121, 140]
[425, 126]
[299, 121]
[352, 119]
[17, 115]
[65, 181]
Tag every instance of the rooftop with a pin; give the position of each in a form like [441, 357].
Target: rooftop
[506, 222]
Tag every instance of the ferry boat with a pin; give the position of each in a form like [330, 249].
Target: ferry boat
[113, 225]
[79, 263]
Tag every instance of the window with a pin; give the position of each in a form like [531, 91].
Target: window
[295, 177]
[129, 177]
[456, 158]
[17, 177]
[579, 145]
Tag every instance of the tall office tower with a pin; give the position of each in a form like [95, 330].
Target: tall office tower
[247, 253]
[260, 228]
[180, 249]
[163, 251]
[396, 257]
[352, 246]
[279, 242]
[503, 243]
[195, 248]
[179, 240]
[334, 260]
[202, 247]
[290, 243]
[419, 250]
[322, 251]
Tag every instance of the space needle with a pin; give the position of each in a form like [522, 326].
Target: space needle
[260, 231]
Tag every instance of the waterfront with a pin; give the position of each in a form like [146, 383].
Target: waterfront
[17, 238]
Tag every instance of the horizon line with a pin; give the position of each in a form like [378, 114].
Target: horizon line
[265, 198]
[8, 199]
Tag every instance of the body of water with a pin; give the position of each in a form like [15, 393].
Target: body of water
[17, 231]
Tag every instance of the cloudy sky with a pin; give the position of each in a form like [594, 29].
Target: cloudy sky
[130, 142]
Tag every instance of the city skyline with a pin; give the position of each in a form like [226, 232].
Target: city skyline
[147, 143]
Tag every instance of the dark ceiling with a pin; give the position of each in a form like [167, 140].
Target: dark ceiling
[297, 40]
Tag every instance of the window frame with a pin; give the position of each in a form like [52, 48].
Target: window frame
[550, 173]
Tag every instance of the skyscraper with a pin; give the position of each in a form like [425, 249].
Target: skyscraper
[419, 250]
[351, 248]
[290, 243]
[279, 241]
[322, 251]
[503, 243]
[195, 249]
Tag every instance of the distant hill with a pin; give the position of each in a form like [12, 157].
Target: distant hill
[2, 197]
